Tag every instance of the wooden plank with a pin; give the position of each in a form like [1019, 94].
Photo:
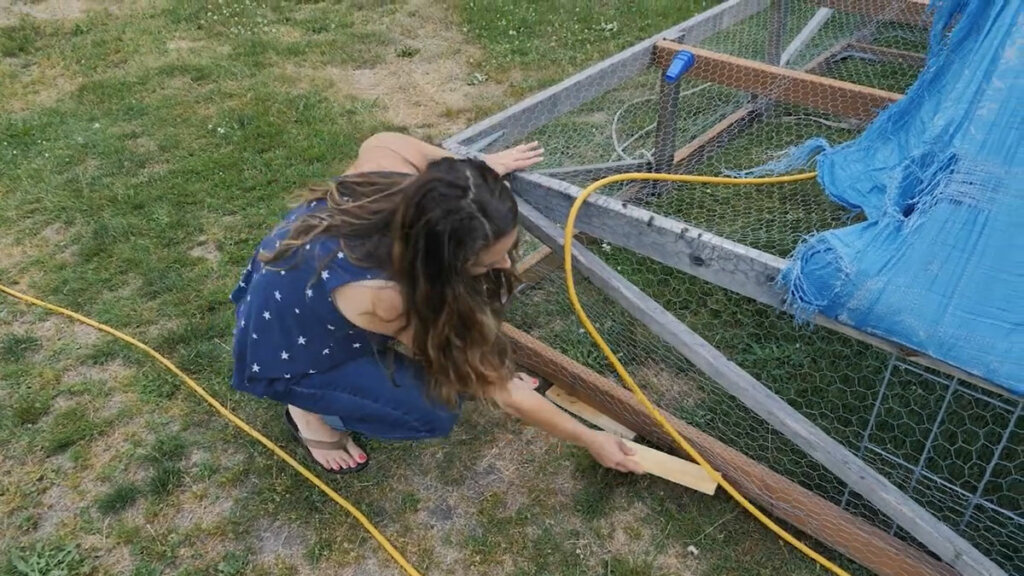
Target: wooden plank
[775, 494]
[832, 96]
[728, 264]
[536, 265]
[588, 413]
[673, 469]
[863, 479]
[809, 30]
[906, 11]
[889, 54]
[537, 110]
[823, 59]
[689, 156]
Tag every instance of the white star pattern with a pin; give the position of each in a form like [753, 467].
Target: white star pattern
[287, 375]
[242, 284]
[277, 295]
[255, 367]
[329, 327]
[249, 267]
[243, 323]
[357, 345]
[307, 246]
[296, 310]
[266, 315]
[325, 274]
[277, 244]
[309, 293]
[255, 336]
[311, 371]
[326, 351]
[340, 255]
[282, 272]
[284, 355]
[302, 340]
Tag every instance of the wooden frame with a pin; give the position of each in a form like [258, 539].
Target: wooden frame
[774, 493]
[863, 479]
[850, 100]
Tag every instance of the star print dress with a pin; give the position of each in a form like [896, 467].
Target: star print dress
[294, 346]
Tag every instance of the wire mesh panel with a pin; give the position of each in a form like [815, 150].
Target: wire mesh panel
[769, 75]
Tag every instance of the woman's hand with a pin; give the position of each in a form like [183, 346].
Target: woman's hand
[613, 452]
[513, 159]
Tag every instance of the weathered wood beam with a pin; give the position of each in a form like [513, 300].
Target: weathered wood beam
[863, 479]
[906, 11]
[832, 96]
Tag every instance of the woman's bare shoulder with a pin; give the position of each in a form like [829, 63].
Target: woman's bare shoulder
[374, 305]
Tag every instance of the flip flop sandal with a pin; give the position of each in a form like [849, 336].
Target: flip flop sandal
[308, 443]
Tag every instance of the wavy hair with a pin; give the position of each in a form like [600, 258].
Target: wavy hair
[425, 231]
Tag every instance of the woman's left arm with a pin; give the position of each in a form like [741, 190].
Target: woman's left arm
[519, 399]
[392, 151]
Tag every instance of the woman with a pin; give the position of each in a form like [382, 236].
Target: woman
[410, 247]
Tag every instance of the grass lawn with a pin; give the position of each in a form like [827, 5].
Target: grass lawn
[143, 152]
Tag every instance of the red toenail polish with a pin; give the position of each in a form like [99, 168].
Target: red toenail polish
[361, 457]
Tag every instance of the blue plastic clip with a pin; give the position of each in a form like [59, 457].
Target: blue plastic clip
[681, 64]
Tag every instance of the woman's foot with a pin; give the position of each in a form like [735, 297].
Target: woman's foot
[312, 427]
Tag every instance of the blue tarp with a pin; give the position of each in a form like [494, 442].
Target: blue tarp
[938, 265]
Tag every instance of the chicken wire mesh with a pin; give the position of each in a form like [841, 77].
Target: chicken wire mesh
[950, 444]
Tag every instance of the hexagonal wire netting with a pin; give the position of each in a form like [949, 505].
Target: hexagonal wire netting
[952, 445]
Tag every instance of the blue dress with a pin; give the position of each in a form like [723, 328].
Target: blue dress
[292, 345]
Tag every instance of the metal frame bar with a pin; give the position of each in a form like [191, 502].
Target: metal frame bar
[927, 450]
[871, 421]
[535, 111]
[665, 132]
[944, 483]
[776, 31]
[988, 472]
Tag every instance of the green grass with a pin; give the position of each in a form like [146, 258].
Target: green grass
[536, 44]
[49, 559]
[118, 498]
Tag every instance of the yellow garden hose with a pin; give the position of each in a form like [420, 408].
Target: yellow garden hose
[409, 569]
[574, 299]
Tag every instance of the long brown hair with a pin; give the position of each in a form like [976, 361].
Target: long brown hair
[425, 230]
